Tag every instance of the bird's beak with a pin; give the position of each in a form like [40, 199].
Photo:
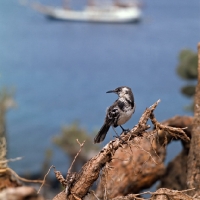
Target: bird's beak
[111, 91]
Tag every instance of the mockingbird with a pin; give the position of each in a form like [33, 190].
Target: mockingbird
[119, 113]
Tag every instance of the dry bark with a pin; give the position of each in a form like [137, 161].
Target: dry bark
[181, 122]
[6, 102]
[193, 164]
[3, 143]
[133, 168]
[175, 176]
[160, 194]
[89, 173]
[10, 184]
[134, 173]
[20, 193]
[6, 178]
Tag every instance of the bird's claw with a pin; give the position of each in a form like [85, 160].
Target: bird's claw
[125, 131]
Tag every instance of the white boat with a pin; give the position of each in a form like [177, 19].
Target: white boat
[111, 14]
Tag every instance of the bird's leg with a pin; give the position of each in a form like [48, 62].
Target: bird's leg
[116, 132]
[117, 135]
[124, 130]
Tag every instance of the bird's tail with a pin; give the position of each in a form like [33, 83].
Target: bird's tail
[102, 133]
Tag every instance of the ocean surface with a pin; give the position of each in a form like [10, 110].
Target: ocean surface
[61, 71]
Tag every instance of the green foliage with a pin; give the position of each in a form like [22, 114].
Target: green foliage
[187, 68]
[67, 140]
[188, 90]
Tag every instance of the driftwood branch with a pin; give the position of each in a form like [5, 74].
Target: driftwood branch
[176, 171]
[161, 194]
[193, 162]
[91, 170]
[141, 163]
[20, 193]
[173, 131]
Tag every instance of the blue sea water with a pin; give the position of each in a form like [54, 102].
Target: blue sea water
[61, 71]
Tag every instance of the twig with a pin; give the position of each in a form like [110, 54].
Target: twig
[81, 145]
[139, 147]
[154, 137]
[186, 190]
[153, 193]
[91, 191]
[60, 178]
[175, 132]
[157, 192]
[18, 177]
[43, 182]
[10, 160]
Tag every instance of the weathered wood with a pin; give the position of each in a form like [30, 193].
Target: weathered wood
[20, 193]
[89, 173]
[160, 194]
[136, 169]
[3, 144]
[193, 162]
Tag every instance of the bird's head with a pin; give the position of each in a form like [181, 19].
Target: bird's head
[122, 92]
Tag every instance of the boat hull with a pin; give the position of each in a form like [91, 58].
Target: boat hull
[111, 14]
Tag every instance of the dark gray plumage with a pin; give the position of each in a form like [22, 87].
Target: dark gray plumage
[118, 113]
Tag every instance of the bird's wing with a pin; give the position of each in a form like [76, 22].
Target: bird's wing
[112, 114]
